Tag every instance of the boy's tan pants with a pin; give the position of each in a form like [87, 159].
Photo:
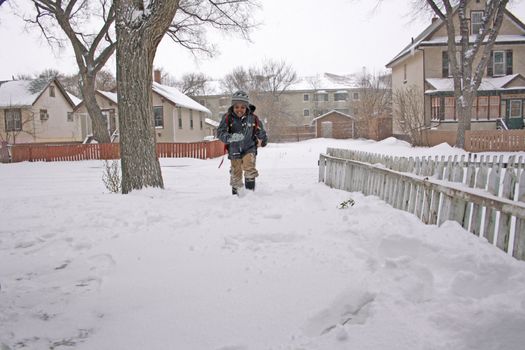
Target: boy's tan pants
[246, 164]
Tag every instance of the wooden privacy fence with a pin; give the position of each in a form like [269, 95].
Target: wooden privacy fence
[485, 196]
[72, 152]
[480, 140]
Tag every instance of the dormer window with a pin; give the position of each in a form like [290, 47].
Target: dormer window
[476, 20]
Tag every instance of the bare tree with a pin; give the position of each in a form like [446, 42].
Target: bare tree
[92, 48]
[237, 79]
[375, 98]
[193, 84]
[467, 75]
[408, 103]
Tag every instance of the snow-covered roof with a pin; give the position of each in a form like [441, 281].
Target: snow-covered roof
[76, 101]
[174, 95]
[112, 96]
[15, 93]
[333, 111]
[487, 84]
[211, 122]
[325, 81]
[500, 39]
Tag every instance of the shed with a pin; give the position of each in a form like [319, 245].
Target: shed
[335, 124]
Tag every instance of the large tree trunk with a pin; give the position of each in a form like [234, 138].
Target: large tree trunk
[99, 125]
[138, 34]
[140, 164]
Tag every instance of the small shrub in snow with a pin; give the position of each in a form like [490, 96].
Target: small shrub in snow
[111, 176]
[348, 203]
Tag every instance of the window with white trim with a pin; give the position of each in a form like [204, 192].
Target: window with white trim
[476, 21]
[179, 114]
[341, 96]
[306, 97]
[191, 118]
[498, 63]
[158, 114]
[43, 114]
[306, 112]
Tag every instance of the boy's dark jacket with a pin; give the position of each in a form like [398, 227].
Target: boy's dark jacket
[247, 126]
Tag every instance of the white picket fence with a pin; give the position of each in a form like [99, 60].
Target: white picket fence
[485, 195]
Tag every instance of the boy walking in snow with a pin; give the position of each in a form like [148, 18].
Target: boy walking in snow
[242, 132]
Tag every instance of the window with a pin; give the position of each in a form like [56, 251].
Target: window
[436, 108]
[43, 114]
[179, 114]
[404, 73]
[158, 115]
[498, 63]
[13, 119]
[447, 71]
[515, 108]
[494, 107]
[110, 120]
[356, 96]
[51, 91]
[340, 96]
[483, 107]
[201, 118]
[69, 116]
[476, 19]
[450, 108]
[191, 118]
[321, 96]
[306, 97]
[306, 112]
[224, 101]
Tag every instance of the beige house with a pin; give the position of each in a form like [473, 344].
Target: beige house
[177, 117]
[30, 113]
[423, 64]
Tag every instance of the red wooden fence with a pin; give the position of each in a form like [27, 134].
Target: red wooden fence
[52, 153]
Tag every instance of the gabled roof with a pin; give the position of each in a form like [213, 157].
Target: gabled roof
[178, 98]
[112, 96]
[211, 122]
[17, 94]
[332, 112]
[487, 84]
[424, 38]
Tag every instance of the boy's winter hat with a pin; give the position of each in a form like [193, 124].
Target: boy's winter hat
[240, 97]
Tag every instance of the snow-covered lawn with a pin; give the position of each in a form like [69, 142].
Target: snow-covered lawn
[192, 267]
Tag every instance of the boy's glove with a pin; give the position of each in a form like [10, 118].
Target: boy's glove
[236, 137]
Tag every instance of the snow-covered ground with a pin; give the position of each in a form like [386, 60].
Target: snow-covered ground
[192, 267]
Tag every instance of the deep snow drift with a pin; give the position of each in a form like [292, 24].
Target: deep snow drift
[192, 267]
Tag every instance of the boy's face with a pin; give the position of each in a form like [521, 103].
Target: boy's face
[239, 109]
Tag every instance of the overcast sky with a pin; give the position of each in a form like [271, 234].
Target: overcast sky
[336, 36]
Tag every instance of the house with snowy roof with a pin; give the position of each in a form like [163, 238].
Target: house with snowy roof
[423, 64]
[177, 117]
[36, 111]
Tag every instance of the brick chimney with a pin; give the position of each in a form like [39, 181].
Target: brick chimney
[156, 76]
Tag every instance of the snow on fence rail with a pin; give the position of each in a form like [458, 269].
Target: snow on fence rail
[51, 153]
[485, 195]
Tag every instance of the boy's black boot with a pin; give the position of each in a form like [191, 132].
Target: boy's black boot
[234, 191]
[249, 184]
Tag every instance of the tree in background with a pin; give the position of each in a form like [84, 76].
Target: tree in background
[408, 103]
[466, 73]
[375, 98]
[193, 84]
[92, 48]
